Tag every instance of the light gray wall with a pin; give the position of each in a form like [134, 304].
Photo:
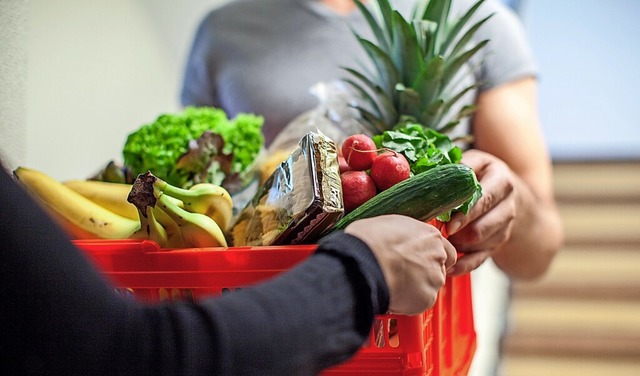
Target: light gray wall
[589, 56]
[96, 71]
[13, 57]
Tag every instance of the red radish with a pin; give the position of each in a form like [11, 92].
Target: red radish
[359, 151]
[357, 188]
[389, 169]
[343, 165]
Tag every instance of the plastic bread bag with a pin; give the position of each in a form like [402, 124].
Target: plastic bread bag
[335, 116]
[299, 200]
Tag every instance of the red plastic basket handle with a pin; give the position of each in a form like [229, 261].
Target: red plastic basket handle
[111, 245]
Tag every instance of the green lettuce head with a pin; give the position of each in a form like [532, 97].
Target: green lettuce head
[197, 145]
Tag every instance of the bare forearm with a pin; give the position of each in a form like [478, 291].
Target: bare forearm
[536, 237]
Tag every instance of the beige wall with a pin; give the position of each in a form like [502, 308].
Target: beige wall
[13, 56]
[95, 71]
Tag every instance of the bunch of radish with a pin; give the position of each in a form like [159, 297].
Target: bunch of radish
[366, 170]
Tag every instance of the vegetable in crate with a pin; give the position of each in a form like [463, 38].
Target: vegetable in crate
[409, 94]
[424, 196]
[197, 145]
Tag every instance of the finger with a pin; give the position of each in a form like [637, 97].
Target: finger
[452, 254]
[468, 263]
[488, 231]
[475, 159]
[495, 189]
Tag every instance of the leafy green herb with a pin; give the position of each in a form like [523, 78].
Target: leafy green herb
[425, 149]
[199, 144]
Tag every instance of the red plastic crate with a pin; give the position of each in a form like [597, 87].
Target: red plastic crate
[438, 342]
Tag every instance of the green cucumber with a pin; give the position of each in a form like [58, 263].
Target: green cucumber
[423, 196]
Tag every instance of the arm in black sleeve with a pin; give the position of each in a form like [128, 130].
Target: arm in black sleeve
[59, 316]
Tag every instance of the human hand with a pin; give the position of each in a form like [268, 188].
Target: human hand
[414, 258]
[488, 225]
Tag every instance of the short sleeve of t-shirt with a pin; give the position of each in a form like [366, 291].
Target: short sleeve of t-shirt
[508, 55]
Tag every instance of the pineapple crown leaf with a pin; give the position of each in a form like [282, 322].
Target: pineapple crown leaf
[438, 12]
[367, 95]
[430, 81]
[452, 66]
[387, 72]
[405, 52]
[378, 31]
[377, 124]
[466, 38]
[380, 104]
[460, 23]
[448, 104]
[415, 63]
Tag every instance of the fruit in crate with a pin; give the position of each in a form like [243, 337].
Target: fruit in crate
[81, 217]
[195, 229]
[89, 209]
[410, 101]
[417, 64]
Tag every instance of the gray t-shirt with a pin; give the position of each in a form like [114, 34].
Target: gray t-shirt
[263, 56]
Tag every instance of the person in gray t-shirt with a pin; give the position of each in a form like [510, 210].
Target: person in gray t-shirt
[263, 56]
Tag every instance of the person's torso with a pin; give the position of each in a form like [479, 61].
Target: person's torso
[269, 53]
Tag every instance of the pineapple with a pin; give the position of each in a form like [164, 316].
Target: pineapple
[415, 66]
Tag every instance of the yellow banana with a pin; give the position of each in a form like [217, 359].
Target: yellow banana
[174, 238]
[209, 199]
[112, 196]
[150, 228]
[197, 230]
[81, 217]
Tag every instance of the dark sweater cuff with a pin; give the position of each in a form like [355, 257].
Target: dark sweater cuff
[362, 267]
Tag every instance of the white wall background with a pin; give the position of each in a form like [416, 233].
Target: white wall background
[589, 56]
[97, 70]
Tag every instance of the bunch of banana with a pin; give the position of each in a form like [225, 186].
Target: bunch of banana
[87, 209]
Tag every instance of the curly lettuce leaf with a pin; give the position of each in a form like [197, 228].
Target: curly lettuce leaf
[169, 147]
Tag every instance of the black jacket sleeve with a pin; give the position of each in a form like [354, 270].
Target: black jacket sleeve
[60, 316]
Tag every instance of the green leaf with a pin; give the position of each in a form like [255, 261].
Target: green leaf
[387, 73]
[376, 28]
[452, 67]
[405, 51]
[438, 12]
[385, 9]
[368, 95]
[459, 25]
[409, 101]
[428, 116]
[376, 125]
[467, 37]
[449, 104]
[430, 80]
[424, 30]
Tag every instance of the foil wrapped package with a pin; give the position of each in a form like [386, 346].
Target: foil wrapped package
[298, 202]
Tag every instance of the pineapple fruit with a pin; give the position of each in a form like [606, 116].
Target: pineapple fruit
[415, 65]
